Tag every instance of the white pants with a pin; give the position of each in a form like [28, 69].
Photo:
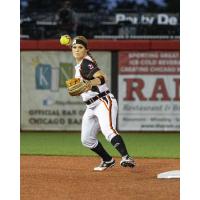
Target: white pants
[100, 117]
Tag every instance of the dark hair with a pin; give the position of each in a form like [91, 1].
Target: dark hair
[89, 54]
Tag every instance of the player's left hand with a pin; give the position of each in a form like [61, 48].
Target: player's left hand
[76, 86]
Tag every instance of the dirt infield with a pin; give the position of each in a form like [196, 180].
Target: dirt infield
[72, 178]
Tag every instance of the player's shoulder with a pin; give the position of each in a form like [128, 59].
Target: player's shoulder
[87, 59]
[88, 68]
[88, 63]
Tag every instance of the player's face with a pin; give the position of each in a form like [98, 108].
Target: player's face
[79, 51]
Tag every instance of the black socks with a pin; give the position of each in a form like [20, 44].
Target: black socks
[102, 152]
[118, 143]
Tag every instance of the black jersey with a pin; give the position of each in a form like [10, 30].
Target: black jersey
[88, 69]
[85, 70]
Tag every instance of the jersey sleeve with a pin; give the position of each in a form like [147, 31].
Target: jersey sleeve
[88, 69]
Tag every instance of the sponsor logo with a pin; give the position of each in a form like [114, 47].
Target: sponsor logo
[52, 78]
[148, 19]
[48, 101]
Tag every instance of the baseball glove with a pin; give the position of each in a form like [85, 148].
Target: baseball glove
[76, 86]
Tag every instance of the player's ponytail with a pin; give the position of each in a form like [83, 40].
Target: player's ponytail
[89, 54]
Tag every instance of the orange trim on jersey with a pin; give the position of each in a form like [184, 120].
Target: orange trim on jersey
[104, 104]
[110, 115]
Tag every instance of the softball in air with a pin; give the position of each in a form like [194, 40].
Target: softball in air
[65, 40]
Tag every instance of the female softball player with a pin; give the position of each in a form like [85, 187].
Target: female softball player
[101, 108]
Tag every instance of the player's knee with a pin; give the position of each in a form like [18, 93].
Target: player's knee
[84, 142]
[89, 143]
[109, 136]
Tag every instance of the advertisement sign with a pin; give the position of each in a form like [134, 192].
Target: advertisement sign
[149, 97]
[45, 103]
[148, 18]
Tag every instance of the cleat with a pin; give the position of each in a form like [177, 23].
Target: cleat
[105, 165]
[127, 162]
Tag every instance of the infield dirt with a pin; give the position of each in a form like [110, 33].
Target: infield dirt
[73, 178]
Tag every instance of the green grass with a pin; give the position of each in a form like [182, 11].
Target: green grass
[145, 145]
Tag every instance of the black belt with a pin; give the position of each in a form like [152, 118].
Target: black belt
[93, 99]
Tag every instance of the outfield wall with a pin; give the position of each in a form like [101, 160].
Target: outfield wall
[45, 104]
[144, 75]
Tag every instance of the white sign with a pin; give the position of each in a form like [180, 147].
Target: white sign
[45, 103]
[149, 97]
[148, 19]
